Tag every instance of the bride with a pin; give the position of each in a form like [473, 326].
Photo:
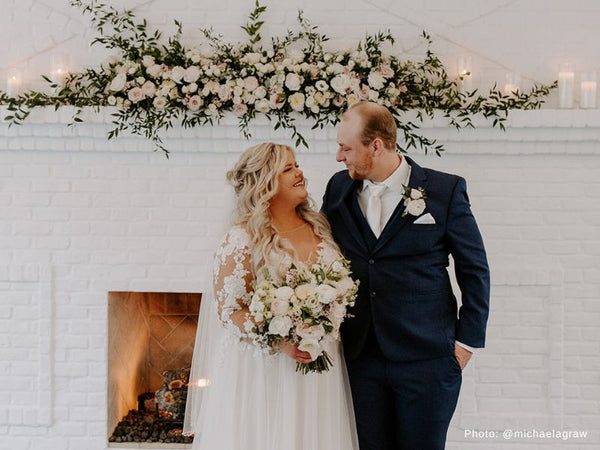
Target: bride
[242, 397]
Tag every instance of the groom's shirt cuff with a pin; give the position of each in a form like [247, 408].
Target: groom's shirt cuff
[465, 346]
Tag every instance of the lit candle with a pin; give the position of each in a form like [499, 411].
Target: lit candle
[466, 73]
[566, 86]
[13, 83]
[203, 382]
[588, 90]
[60, 69]
[512, 83]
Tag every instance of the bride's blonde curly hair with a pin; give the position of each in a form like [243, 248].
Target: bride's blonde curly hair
[255, 179]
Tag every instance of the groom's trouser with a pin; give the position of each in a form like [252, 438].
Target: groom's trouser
[403, 405]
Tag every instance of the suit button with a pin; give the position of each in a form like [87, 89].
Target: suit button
[371, 261]
[372, 294]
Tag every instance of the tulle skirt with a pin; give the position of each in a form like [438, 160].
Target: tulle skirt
[259, 402]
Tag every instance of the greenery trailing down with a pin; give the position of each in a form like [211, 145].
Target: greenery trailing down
[155, 84]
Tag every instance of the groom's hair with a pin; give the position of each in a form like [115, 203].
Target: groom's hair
[378, 122]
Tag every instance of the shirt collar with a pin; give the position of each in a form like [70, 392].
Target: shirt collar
[396, 180]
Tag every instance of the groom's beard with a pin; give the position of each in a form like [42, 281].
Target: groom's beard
[361, 170]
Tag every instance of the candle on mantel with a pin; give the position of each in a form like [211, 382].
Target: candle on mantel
[512, 83]
[203, 382]
[14, 83]
[60, 69]
[566, 86]
[587, 91]
[465, 71]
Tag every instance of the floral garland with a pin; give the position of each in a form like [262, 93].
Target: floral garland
[154, 85]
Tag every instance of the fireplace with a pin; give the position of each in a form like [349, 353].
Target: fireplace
[150, 343]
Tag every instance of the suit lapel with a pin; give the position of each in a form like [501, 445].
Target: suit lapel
[348, 196]
[417, 179]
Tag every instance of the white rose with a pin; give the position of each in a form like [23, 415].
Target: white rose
[304, 330]
[159, 102]
[224, 92]
[250, 83]
[310, 101]
[338, 310]
[177, 73]
[251, 58]
[326, 293]
[372, 95]
[192, 87]
[304, 291]
[154, 71]
[212, 110]
[148, 60]
[340, 83]
[416, 207]
[276, 100]
[297, 101]
[263, 105]
[111, 100]
[336, 68]
[292, 81]
[279, 307]
[314, 304]
[296, 55]
[118, 82]
[376, 80]
[206, 51]
[312, 346]
[192, 74]
[260, 92]
[135, 94]
[386, 70]
[352, 100]
[240, 109]
[416, 194]
[344, 285]
[280, 326]
[284, 293]
[148, 88]
[195, 103]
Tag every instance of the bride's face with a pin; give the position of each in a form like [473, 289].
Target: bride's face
[292, 185]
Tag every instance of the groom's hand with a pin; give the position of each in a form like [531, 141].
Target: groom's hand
[462, 355]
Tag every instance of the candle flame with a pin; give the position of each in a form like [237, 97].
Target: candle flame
[203, 382]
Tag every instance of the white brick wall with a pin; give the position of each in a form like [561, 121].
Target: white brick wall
[80, 215]
[77, 223]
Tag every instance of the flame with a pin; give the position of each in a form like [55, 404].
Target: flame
[203, 382]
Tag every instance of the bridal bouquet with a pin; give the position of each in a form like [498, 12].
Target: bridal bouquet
[306, 306]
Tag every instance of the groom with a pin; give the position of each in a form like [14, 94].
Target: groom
[408, 341]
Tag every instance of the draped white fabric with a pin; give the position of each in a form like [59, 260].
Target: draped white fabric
[241, 398]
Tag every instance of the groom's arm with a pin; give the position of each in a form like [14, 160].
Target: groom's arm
[471, 267]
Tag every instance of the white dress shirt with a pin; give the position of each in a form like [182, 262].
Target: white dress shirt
[390, 199]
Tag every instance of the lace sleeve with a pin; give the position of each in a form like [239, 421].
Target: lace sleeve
[232, 276]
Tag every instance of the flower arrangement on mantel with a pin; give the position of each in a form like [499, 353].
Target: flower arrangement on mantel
[155, 84]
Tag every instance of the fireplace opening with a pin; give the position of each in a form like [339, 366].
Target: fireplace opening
[150, 346]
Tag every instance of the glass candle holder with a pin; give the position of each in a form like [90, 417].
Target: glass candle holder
[566, 86]
[588, 90]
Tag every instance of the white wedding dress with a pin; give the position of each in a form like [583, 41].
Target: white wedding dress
[242, 398]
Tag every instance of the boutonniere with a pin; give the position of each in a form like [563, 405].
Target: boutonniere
[414, 201]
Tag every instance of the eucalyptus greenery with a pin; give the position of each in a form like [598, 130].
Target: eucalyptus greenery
[155, 84]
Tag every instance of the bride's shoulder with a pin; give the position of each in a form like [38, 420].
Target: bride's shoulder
[237, 236]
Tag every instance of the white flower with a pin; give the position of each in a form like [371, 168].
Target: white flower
[251, 58]
[322, 85]
[326, 293]
[304, 291]
[305, 330]
[277, 100]
[340, 83]
[376, 80]
[240, 109]
[279, 307]
[192, 74]
[192, 87]
[310, 101]
[386, 71]
[135, 94]
[284, 293]
[292, 81]
[280, 325]
[312, 346]
[212, 110]
[263, 105]
[352, 100]
[338, 310]
[295, 54]
[195, 103]
[416, 207]
[336, 68]
[140, 80]
[416, 194]
[250, 83]
[118, 82]
[297, 101]
[224, 92]
[372, 95]
[344, 285]
[206, 51]
[159, 102]
[148, 61]
[177, 73]
[260, 92]
[148, 88]
[155, 70]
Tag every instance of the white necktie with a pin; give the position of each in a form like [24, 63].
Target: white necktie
[374, 207]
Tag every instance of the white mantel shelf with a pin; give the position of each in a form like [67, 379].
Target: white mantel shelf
[545, 131]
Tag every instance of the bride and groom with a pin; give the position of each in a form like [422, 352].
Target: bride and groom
[396, 384]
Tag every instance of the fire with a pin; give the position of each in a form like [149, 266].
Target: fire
[203, 382]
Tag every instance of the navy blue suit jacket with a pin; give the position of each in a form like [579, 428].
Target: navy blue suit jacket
[405, 292]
